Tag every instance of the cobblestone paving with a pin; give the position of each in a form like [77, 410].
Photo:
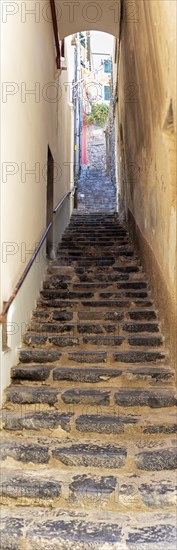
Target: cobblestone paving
[96, 192]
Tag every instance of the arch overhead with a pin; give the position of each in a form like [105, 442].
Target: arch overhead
[76, 16]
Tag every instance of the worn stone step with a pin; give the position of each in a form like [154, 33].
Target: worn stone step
[144, 340]
[51, 395]
[68, 453]
[68, 246]
[79, 328]
[69, 341]
[109, 423]
[114, 492]
[140, 327]
[44, 420]
[64, 530]
[68, 294]
[31, 355]
[68, 240]
[114, 252]
[130, 423]
[111, 304]
[53, 328]
[91, 231]
[134, 356]
[137, 356]
[137, 315]
[130, 456]
[54, 284]
[62, 341]
[46, 316]
[146, 398]
[120, 269]
[94, 328]
[147, 315]
[94, 279]
[131, 397]
[93, 261]
[95, 375]
[74, 295]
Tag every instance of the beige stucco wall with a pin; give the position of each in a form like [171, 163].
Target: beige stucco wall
[100, 15]
[146, 144]
[29, 124]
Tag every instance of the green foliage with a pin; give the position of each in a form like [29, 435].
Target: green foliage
[98, 115]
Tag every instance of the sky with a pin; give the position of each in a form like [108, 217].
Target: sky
[101, 42]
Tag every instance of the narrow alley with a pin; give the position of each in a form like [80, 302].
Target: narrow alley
[88, 275]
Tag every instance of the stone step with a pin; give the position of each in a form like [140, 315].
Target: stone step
[94, 328]
[131, 424]
[137, 356]
[79, 423]
[82, 241]
[111, 304]
[69, 246]
[130, 456]
[94, 297]
[140, 297]
[29, 355]
[93, 261]
[53, 396]
[91, 231]
[128, 268]
[62, 341]
[91, 227]
[147, 491]
[56, 269]
[54, 284]
[42, 315]
[51, 373]
[134, 356]
[94, 279]
[93, 254]
[64, 530]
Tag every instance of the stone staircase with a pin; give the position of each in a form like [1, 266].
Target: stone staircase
[89, 420]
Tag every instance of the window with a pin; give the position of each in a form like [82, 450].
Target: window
[107, 66]
[107, 93]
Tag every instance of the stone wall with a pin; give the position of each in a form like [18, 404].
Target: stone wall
[110, 145]
[146, 114]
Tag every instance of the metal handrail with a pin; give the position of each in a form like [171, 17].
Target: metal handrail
[61, 201]
[24, 274]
